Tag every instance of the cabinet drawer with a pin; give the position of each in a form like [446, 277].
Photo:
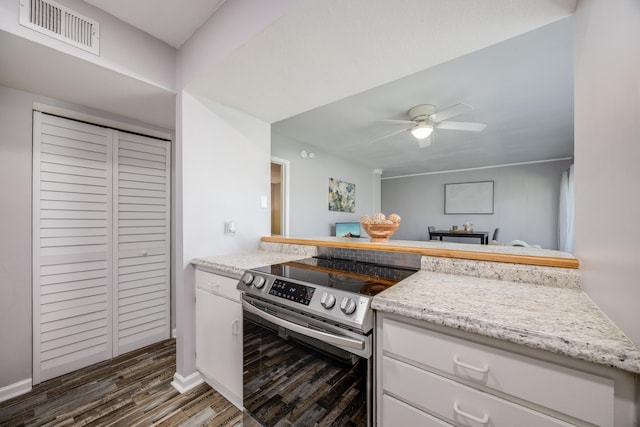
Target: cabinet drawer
[569, 391]
[398, 413]
[217, 285]
[459, 404]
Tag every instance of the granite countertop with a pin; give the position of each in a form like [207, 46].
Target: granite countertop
[433, 244]
[553, 318]
[534, 306]
[234, 265]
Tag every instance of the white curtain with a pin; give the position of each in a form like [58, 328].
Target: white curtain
[566, 212]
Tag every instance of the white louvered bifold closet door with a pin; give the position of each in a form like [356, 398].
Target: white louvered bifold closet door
[72, 246]
[101, 239]
[141, 192]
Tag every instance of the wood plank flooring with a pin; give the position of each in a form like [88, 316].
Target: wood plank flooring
[131, 390]
[287, 384]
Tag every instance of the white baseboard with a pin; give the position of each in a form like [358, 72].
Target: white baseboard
[173, 333]
[183, 384]
[15, 389]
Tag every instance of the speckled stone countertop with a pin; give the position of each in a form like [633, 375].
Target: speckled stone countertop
[536, 306]
[534, 274]
[268, 253]
[559, 319]
[436, 244]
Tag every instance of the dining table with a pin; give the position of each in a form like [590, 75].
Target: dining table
[471, 234]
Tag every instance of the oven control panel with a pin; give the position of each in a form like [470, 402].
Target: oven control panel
[292, 291]
[319, 301]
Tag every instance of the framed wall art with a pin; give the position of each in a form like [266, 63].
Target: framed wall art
[468, 198]
[342, 196]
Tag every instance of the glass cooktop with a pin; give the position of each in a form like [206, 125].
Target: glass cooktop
[352, 276]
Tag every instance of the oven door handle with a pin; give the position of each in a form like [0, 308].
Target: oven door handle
[337, 340]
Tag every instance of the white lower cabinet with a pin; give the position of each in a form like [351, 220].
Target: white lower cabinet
[456, 402]
[433, 376]
[219, 334]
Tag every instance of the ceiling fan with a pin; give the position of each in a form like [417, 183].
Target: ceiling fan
[425, 119]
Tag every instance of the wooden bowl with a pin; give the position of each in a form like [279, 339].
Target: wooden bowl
[380, 232]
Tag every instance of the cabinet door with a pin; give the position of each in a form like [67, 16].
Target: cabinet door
[72, 246]
[219, 344]
[100, 244]
[142, 231]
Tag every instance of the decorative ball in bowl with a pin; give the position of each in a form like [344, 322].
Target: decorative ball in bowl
[379, 228]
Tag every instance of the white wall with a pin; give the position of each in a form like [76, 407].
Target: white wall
[225, 169]
[221, 171]
[15, 229]
[607, 152]
[227, 166]
[15, 225]
[525, 203]
[309, 187]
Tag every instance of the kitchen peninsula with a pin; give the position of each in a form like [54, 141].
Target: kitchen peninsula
[497, 253]
[519, 308]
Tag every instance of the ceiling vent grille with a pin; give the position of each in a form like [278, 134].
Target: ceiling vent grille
[62, 23]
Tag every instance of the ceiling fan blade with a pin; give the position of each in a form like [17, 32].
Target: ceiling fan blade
[391, 134]
[473, 127]
[422, 143]
[397, 121]
[450, 112]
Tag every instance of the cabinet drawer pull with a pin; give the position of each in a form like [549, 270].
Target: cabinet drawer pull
[483, 420]
[234, 327]
[482, 370]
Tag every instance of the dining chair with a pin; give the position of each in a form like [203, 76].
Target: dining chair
[431, 230]
[523, 244]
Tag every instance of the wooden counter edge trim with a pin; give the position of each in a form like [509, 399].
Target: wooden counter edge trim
[445, 253]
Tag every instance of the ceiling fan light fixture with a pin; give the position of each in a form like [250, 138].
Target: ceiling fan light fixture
[421, 130]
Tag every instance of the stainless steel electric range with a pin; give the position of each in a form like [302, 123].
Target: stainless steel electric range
[307, 339]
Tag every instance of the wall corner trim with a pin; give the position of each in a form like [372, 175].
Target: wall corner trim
[15, 389]
[184, 384]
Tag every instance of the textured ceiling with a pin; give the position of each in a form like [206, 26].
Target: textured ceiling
[172, 21]
[326, 72]
[521, 88]
[320, 52]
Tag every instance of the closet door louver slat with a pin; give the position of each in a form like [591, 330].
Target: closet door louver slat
[72, 247]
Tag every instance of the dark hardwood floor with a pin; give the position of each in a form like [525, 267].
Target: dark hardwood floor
[131, 390]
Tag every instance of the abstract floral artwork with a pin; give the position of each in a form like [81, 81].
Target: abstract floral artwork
[342, 196]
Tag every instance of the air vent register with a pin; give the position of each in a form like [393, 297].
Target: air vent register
[62, 23]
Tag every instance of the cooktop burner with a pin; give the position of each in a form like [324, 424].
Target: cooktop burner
[351, 276]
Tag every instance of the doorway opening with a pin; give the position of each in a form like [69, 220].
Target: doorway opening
[279, 197]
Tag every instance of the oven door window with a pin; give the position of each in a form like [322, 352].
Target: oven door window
[288, 380]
